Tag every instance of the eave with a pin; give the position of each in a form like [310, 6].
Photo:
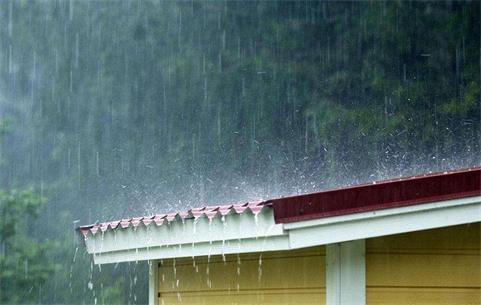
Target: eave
[254, 227]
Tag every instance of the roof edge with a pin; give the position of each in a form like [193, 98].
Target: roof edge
[379, 195]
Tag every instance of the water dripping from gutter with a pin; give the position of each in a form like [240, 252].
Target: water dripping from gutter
[259, 269]
[238, 271]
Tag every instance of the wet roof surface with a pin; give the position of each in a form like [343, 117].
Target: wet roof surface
[379, 195]
[210, 212]
[367, 197]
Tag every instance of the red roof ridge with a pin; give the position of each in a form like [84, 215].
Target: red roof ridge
[381, 182]
[418, 189]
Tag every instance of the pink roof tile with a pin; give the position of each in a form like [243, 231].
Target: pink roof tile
[159, 219]
[240, 208]
[147, 220]
[114, 224]
[136, 221]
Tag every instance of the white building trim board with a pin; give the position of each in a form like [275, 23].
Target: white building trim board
[384, 222]
[346, 273]
[153, 282]
[244, 233]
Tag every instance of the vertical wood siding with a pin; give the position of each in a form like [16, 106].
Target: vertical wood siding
[277, 278]
[441, 266]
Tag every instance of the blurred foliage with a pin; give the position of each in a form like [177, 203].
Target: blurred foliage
[4, 127]
[136, 107]
[24, 264]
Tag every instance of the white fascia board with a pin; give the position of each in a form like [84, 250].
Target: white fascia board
[384, 222]
[231, 234]
[251, 245]
[244, 233]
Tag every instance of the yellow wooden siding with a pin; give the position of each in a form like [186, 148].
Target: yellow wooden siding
[441, 266]
[288, 277]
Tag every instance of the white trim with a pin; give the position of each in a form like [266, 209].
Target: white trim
[251, 245]
[384, 222]
[237, 233]
[202, 230]
[244, 233]
[384, 212]
[153, 282]
[346, 273]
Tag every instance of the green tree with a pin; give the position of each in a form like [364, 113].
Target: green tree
[24, 266]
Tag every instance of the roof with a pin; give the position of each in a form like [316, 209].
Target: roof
[379, 195]
[209, 212]
[342, 201]
[334, 216]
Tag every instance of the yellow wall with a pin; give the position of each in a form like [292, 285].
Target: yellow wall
[441, 266]
[277, 278]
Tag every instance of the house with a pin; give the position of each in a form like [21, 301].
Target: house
[413, 240]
